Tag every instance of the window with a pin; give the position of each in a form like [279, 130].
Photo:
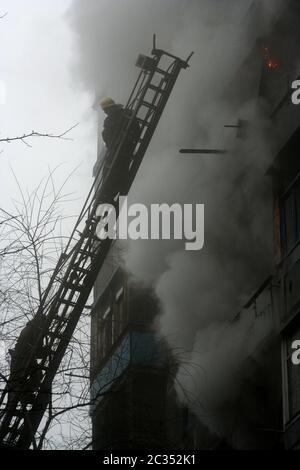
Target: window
[104, 333]
[111, 317]
[292, 393]
[292, 286]
[111, 322]
[290, 222]
[99, 338]
[120, 317]
[290, 218]
[107, 339]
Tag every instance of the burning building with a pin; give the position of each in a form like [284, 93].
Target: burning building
[244, 390]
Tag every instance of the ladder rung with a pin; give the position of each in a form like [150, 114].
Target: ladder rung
[143, 122]
[55, 334]
[93, 237]
[74, 287]
[86, 253]
[156, 88]
[61, 319]
[80, 270]
[14, 428]
[67, 302]
[83, 252]
[163, 72]
[89, 235]
[149, 105]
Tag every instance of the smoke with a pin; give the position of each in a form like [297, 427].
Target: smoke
[200, 292]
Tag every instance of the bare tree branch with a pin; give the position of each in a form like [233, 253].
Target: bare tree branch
[23, 138]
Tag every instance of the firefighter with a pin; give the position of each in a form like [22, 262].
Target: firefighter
[113, 122]
[19, 360]
[116, 117]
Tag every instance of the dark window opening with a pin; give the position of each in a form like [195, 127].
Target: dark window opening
[290, 218]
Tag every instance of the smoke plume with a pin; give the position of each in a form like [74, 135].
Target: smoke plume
[200, 292]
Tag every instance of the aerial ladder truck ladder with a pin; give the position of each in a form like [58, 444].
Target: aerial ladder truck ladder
[78, 266]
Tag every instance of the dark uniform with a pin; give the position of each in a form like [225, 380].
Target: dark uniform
[19, 361]
[113, 124]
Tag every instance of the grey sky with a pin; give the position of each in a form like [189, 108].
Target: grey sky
[37, 56]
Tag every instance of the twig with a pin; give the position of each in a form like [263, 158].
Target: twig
[23, 137]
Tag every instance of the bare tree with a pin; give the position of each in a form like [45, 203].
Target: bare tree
[31, 242]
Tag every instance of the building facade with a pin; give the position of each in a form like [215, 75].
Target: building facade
[134, 404]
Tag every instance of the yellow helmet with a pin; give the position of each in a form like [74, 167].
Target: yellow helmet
[106, 103]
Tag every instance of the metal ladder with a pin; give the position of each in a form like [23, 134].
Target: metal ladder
[74, 276]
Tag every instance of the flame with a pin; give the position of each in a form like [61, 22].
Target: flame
[270, 63]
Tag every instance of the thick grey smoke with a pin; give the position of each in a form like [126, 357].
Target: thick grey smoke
[200, 291]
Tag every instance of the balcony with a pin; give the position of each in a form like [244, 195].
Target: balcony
[263, 302]
[136, 348]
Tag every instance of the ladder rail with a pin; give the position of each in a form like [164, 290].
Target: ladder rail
[97, 182]
[67, 293]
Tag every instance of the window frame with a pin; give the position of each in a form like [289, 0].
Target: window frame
[292, 191]
[120, 323]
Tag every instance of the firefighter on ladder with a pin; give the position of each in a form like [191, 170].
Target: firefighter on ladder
[116, 117]
[19, 361]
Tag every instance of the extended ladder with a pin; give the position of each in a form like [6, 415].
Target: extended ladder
[74, 276]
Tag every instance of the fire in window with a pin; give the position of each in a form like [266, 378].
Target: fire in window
[269, 60]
